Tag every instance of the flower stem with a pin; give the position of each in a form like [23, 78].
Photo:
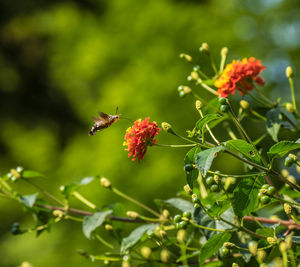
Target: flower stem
[205, 86]
[293, 94]
[83, 200]
[103, 241]
[209, 130]
[206, 228]
[116, 191]
[260, 101]
[166, 145]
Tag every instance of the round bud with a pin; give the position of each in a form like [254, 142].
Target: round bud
[26, 264]
[195, 198]
[204, 48]
[222, 100]
[188, 189]
[165, 255]
[126, 264]
[180, 88]
[217, 179]
[259, 195]
[194, 75]
[108, 227]
[244, 104]
[235, 265]
[58, 213]
[146, 252]
[181, 236]
[187, 57]
[261, 254]
[106, 262]
[104, 182]
[223, 108]
[166, 127]
[265, 200]
[252, 246]
[289, 72]
[263, 191]
[196, 68]
[177, 218]
[132, 214]
[198, 104]
[225, 252]
[285, 173]
[289, 161]
[166, 214]
[224, 51]
[188, 167]
[272, 241]
[265, 186]
[183, 224]
[228, 245]
[209, 181]
[271, 190]
[187, 214]
[187, 90]
[214, 188]
[290, 108]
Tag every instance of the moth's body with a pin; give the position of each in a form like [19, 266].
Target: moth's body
[102, 122]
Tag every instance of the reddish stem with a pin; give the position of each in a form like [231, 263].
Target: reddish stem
[289, 224]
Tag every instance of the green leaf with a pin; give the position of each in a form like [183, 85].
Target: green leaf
[90, 223]
[267, 231]
[29, 200]
[181, 204]
[190, 158]
[201, 218]
[205, 158]
[200, 125]
[274, 119]
[244, 148]
[31, 174]
[136, 235]
[212, 246]
[245, 198]
[283, 147]
[218, 208]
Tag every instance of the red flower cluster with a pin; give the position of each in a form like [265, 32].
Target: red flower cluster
[139, 136]
[239, 75]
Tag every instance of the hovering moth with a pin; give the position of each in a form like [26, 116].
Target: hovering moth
[102, 122]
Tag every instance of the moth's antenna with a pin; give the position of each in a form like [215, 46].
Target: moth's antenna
[126, 118]
[117, 110]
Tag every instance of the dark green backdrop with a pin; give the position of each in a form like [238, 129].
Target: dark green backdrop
[63, 61]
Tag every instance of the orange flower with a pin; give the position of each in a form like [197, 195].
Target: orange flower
[240, 75]
[139, 136]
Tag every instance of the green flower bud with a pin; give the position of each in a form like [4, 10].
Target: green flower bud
[244, 104]
[235, 265]
[177, 218]
[289, 72]
[104, 182]
[181, 236]
[188, 189]
[166, 214]
[288, 162]
[165, 255]
[183, 224]
[224, 51]
[265, 200]
[225, 252]
[146, 252]
[187, 214]
[186, 57]
[223, 108]
[188, 167]
[289, 107]
[214, 188]
[217, 179]
[209, 181]
[195, 198]
[15, 174]
[271, 190]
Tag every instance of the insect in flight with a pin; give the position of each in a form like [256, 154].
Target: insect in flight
[102, 122]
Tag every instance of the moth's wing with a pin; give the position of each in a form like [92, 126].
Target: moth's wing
[103, 115]
[98, 119]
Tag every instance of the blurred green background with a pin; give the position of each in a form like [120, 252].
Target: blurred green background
[63, 61]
